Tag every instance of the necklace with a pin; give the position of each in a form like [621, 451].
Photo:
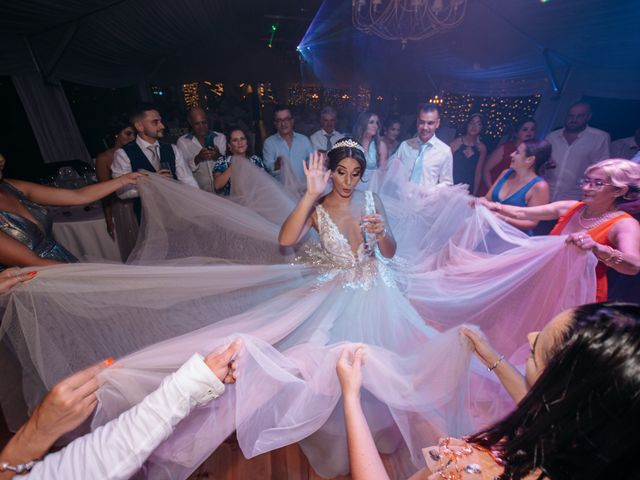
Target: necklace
[595, 221]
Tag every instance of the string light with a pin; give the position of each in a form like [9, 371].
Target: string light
[501, 112]
[313, 96]
[190, 94]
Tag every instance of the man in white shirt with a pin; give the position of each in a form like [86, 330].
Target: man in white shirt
[201, 147]
[147, 153]
[327, 136]
[574, 148]
[626, 147]
[428, 160]
[286, 144]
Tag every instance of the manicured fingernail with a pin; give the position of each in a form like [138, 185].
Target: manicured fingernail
[109, 361]
[32, 274]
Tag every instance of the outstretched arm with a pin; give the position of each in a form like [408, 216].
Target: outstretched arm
[298, 223]
[117, 449]
[65, 197]
[509, 376]
[550, 211]
[364, 459]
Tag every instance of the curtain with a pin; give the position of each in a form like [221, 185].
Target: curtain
[51, 118]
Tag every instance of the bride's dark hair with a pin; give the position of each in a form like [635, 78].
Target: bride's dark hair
[347, 147]
[577, 421]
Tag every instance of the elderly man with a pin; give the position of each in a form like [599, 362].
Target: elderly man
[427, 159]
[148, 153]
[327, 136]
[573, 149]
[201, 147]
[286, 145]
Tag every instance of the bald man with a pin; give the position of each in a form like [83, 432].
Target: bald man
[201, 147]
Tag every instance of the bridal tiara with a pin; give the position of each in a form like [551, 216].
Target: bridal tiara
[348, 143]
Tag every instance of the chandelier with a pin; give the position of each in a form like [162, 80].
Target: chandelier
[406, 20]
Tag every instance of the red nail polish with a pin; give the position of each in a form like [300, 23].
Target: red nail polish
[32, 274]
[109, 361]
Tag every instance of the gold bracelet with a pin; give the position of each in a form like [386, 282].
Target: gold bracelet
[614, 258]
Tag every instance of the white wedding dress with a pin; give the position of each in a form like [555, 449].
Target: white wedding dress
[187, 292]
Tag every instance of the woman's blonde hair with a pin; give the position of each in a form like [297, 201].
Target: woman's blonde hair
[622, 173]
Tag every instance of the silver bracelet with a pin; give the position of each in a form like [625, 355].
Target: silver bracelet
[495, 365]
[19, 468]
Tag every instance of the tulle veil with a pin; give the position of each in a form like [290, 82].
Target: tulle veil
[207, 269]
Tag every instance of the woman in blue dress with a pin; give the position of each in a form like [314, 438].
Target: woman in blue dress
[366, 132]
[25, 225]
[520, 185]
[238, 147]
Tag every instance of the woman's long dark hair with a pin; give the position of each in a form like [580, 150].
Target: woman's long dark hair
[540, 150]
[580, 418]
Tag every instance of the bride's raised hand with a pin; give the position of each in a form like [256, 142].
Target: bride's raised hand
[316, 173]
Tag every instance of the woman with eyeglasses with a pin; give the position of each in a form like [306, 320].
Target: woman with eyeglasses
[597, 222]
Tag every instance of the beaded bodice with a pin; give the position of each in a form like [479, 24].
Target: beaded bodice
[335, 257]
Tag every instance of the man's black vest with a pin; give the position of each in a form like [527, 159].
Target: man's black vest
[139, 161]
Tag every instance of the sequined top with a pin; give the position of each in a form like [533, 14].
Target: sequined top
[336, 259]
[36, 236]
[455, 459]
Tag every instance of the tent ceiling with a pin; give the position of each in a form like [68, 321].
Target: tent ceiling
[499, 45]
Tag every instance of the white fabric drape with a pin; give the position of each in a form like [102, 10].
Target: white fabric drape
[454, 264]
[51, 119]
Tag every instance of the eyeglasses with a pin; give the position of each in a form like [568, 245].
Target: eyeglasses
[283, 120]
[596, 184]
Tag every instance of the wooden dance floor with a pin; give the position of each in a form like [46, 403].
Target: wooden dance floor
[288, 463]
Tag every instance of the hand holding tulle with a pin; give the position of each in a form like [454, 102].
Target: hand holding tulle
[222, 363]
[493, 206]
[582, 240]
[66, 406]
[10, 277]
[316, 173]
[481, 346]
[131, 178]
[349, 369]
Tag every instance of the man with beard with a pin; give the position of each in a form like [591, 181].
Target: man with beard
[425, 156]
[148, 153]
[574, 148]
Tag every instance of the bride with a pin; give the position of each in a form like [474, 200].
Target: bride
[294, 318]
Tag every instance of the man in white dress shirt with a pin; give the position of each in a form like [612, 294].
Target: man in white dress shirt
[628, 147]
[428, 160]
[147, 153]
[201, 147]
[327, 136]
[574, 148]
[286, 144]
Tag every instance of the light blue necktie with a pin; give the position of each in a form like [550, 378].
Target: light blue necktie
[416, 174]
